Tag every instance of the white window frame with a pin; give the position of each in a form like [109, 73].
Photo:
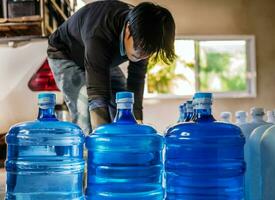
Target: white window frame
[251, 68]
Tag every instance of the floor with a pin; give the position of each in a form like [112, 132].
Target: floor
[2, 170]
[2, 183]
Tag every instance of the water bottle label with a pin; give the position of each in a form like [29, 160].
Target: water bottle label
[203, 107]
[45, 102]
[126, 105]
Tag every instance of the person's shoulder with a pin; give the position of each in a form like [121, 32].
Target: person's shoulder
[111, 4]
[101, 9]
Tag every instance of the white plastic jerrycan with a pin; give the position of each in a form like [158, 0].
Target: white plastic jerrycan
[226, 117]
[257, 115]
[268, 163]
[254, 174]
[241, 117]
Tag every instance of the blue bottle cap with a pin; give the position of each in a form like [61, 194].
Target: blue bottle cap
[203, 95]
[46, 98]
[125, 97]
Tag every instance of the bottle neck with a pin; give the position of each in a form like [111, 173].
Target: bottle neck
[46, 114]
[203, 112]
[125, 113]
[193, 115]
[226, 120]
[241, 120]
[258, 118]
[182, 116]
[189, 116]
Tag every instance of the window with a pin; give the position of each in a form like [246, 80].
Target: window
[222, 65]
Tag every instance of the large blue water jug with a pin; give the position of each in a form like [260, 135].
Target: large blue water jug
[204, 158]
[45, 157]
[125, 159]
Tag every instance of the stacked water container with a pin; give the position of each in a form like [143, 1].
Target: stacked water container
[226, 117]
[254, 188]
[247, 128]
[125, 159]
[189, 110]
[186, 111]
[270, 116]
[204, 158]
[267, 149]
[257, 115]
[45, 157]
[260, 164]
[241, 117]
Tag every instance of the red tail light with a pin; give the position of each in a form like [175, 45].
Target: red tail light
[43, 79]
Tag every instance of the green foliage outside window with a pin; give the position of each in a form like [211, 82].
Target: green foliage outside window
[221, 67]
[218, 65]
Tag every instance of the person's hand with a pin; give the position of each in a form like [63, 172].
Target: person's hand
[139, 121]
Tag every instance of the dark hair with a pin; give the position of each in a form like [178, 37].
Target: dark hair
[153, 30]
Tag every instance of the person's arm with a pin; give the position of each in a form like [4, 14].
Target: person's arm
[135, 83]
[97, 60]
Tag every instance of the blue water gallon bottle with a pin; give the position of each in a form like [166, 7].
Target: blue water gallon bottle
[125, 159]
[204, 158]
[189, 111]
[45, 157]
[182, 112]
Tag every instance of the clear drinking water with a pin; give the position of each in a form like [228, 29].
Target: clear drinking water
[125, 160]
[204, 158]
[45, 157]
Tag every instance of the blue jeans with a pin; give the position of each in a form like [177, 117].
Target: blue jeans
[70, 79]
